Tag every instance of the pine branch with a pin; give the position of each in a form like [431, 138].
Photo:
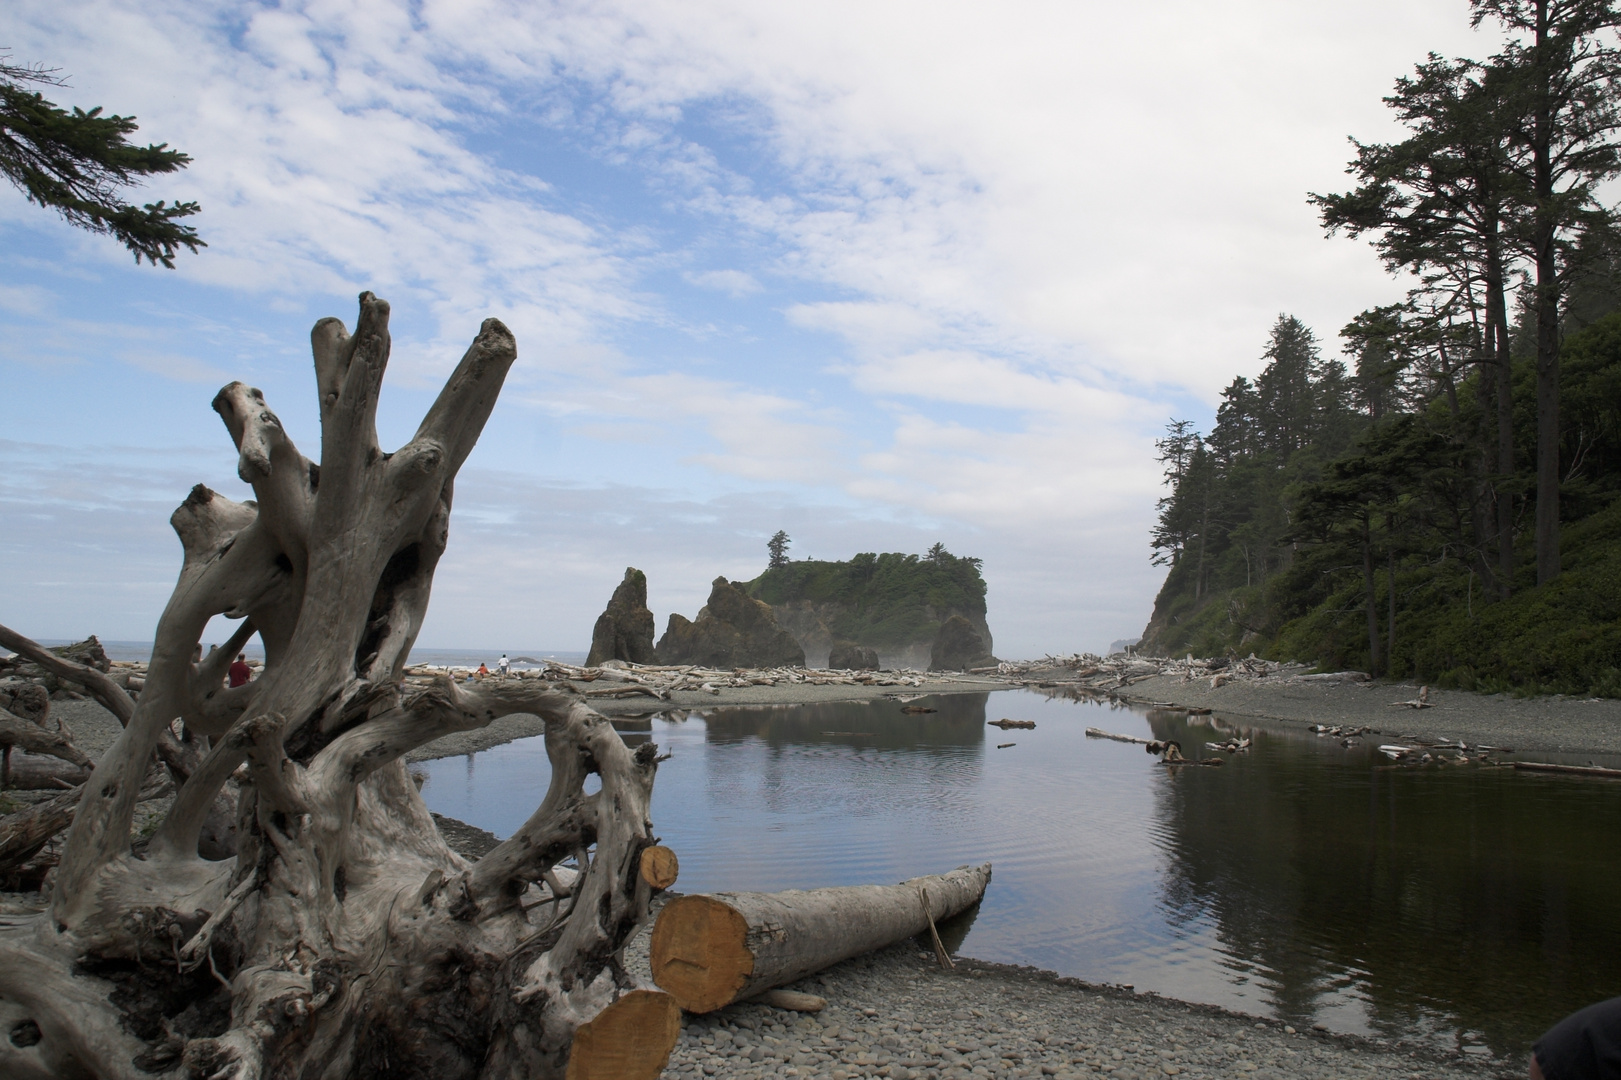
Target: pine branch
[77, 163]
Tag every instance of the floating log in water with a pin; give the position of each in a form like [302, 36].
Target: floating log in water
[1099, 733]
[1577, 770]
[913, 710]
[709, 951]
[1005, 724]
[1005, 745]
[1231, 746]
[1192, 761]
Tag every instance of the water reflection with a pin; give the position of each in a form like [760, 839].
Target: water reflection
[1302, 880]
[1473, 904]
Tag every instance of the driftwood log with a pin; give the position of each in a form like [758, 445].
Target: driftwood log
[711, 950]
[333, 933]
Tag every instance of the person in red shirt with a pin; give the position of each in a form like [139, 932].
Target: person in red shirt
[240, 673]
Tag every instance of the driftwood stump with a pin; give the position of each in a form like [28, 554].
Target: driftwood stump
[297, 913]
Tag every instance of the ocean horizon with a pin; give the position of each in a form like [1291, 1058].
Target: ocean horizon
[520, 658]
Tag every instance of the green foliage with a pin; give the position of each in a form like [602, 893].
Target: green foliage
[77, 163]
[1224, 524]
[777, 549]
[886, 600]
[1408, 489]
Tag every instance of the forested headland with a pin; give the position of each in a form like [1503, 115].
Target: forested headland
[891, 602]
[1442, 503]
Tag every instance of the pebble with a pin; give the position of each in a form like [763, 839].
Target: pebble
[895, 1014]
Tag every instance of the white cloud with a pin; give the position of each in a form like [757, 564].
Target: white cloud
[1007, 234]
[735, 283]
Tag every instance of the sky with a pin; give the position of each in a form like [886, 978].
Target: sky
[877, 274]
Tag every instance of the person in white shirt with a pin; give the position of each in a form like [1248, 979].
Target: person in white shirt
[502, 665]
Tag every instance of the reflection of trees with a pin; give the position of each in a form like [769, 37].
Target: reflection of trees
[958, 723]
[1478, 897]
[850, 757]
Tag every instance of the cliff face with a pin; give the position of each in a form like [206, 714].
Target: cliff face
[732, 630]
[892, 603]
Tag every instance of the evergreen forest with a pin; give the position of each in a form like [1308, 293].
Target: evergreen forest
[883, 601]
[1441, 503]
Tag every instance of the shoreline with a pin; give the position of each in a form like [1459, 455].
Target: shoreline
[895, 1013]
[1553, 725]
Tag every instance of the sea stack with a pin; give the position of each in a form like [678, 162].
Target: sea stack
[625, 630]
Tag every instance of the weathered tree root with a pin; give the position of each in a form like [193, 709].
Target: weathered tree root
[336, 935]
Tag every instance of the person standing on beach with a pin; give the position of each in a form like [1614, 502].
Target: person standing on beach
[240, 673]
[503, 665]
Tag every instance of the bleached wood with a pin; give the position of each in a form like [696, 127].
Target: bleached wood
[337, 929]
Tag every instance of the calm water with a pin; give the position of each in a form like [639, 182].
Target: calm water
[1471, 906]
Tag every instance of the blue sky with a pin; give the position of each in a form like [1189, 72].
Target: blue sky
[876, 274]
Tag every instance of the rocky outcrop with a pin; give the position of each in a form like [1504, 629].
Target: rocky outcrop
[733, 630]
[848, 656]
[958, 646]
[625, 630]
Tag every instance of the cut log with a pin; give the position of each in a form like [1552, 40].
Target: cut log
[1006, 724]
[660, 866]
[709, 951]
[629, 1040]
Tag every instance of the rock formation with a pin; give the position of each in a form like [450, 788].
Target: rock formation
[958, 647]
[732, 630]
[892, 603]
[625, 630]
[848, 656]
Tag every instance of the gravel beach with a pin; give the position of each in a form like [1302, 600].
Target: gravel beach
[1554, 725]
[895, 1013]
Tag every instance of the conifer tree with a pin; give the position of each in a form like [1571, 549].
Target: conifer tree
[777, 548]
[78, 163]
[1561, 77]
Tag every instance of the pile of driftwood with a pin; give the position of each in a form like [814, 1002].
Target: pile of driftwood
[619, 679]
[1418, 750]
[1110, 674]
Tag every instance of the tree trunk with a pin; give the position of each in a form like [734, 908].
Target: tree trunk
[29, 773]
[1372, 599]
[1503, 376]
[1390, 607]
[343, 938]
[1545, 242]
[709, 951]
